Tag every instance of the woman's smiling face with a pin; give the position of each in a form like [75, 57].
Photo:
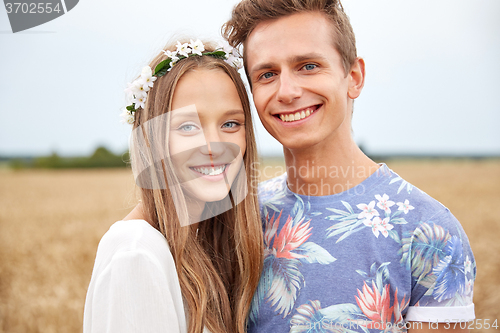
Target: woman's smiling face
[207, 134]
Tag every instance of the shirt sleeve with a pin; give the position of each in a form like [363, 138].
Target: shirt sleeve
[134, 294]
[443, 272]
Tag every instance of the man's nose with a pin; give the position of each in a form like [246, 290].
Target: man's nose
[288, 90]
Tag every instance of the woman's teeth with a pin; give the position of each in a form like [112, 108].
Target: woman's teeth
[297, 115]
[210, 171]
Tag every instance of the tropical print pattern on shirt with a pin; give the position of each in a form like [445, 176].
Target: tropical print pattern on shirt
[358, 260]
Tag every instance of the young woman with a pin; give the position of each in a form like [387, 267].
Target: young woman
[188, 257]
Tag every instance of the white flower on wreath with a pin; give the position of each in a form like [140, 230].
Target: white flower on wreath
[146, 72]
[406, 207]
[239, 63]
[172, 63]
[127, 117]
[230, 59]
[171, 55]
[129, 91]
[384, 202]
[224, 46]
[197, 47]
[235, 52]
[147, 79]
[139, 101]
[183, 49]
[368, 211]
[235, 61]
[138, 88]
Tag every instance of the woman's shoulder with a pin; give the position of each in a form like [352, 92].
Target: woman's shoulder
[134, 282]
[129, 235]
[133, 238]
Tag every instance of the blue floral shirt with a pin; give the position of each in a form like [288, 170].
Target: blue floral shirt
[378, 257]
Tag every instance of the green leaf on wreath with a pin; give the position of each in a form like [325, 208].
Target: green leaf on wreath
[162, 68]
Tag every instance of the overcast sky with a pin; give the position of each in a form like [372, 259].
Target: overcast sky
[432, 84]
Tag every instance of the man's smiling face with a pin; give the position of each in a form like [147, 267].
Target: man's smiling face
[300, 89]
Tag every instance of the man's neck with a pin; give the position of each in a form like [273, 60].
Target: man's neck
[327, 168]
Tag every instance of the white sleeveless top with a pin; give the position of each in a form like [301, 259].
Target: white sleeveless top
[134, 286]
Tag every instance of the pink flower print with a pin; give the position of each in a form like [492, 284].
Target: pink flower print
[384, 226]
[306, 317]
[406, 207]
[467, 265]
[379, 226]
[271, 228]
[374, 224]
[398, 309]
[368, 211]
[291, 237]
[468, 285]
[377, 307]
[384, 202]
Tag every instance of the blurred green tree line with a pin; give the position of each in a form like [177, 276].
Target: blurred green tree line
[101, 158]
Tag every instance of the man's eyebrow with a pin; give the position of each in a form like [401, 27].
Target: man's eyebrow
[294, 59]
[266, 65]
[308, 56]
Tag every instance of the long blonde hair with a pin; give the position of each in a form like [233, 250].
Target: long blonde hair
[218, 261]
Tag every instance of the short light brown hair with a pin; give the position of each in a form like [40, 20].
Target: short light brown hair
[249, 13]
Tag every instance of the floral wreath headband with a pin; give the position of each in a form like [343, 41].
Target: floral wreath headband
[137, 91]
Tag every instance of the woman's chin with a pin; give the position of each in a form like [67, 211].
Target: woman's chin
[209, 192]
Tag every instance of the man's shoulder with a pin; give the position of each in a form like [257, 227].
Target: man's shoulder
[385, 193]
[384, 190]
[406, 197]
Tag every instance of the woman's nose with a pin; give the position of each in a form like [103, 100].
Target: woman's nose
[213, 146]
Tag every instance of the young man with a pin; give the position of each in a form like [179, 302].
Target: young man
[350, 246]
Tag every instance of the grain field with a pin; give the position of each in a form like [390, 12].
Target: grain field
[51, 223]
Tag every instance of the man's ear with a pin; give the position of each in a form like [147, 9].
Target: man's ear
[356, 78]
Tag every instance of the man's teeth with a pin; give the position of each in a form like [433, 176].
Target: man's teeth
[211, 171]
[297, 115]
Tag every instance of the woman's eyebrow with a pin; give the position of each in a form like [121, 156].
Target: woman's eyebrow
[184, 114]
[231, 112]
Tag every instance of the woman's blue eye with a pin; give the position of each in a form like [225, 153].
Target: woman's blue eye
[187, 128]
[230, 124]
[310, 67]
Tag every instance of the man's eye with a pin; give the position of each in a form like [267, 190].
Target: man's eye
[310, 67]
[267, 75]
